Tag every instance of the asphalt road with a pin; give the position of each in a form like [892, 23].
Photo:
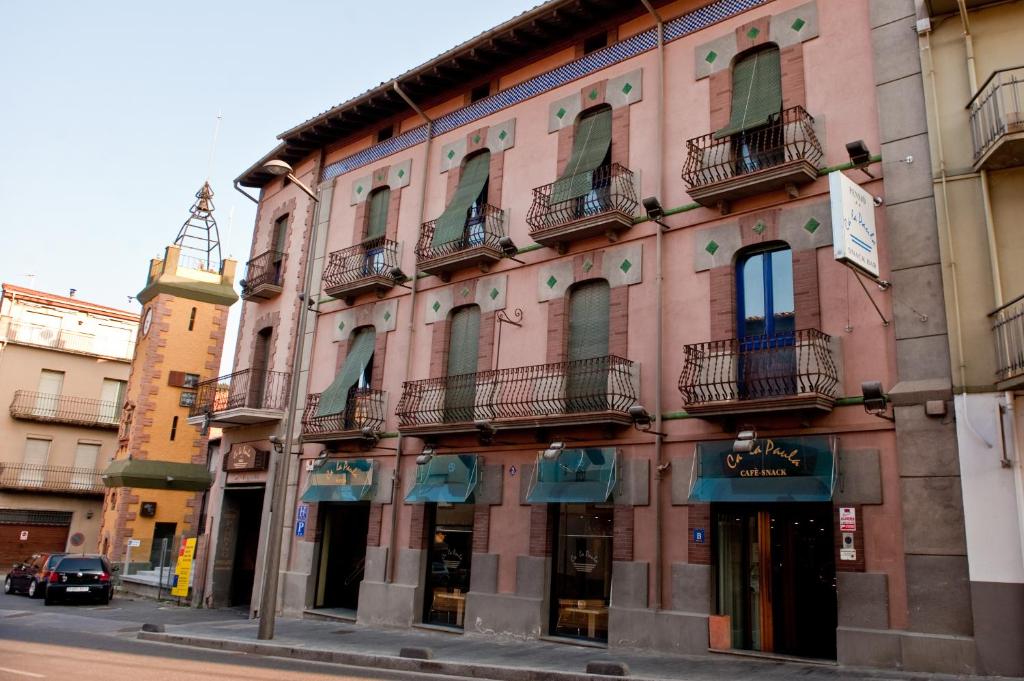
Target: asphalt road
[96, 643]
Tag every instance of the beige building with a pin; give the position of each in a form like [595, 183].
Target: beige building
[974, 97]
[64, 365]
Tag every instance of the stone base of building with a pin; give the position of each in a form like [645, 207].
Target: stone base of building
[999, 627]
[393, 604]
[911, 651]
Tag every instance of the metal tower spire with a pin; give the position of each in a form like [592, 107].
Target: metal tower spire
[199, 237]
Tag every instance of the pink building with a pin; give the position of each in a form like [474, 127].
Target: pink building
[532, 403]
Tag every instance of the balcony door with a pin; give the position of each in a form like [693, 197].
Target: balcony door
[280, 244]
[587, 372]
[33, 473]
[463, 348]
[84, 475]
[766, 326]
[258, 375]
[754, 127]
[51, 383]
[111, 398]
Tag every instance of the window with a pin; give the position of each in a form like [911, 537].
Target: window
[582, 579]
[766, 322]
[278, 246]
[595, 43]
[385, 133]
[376, 229]
[51, 384]
[463, 346]
[33, 473]
[192, 319]
[190, 381]
[186, 399]
[479, 92]
[174, 427]
[342, 396]
[450, 552]
[583, 188]
[463, 222]
[756, 105]
[86, 456]
[112, 399]
[587, 350]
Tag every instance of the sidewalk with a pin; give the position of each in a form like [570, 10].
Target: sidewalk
[485, 657]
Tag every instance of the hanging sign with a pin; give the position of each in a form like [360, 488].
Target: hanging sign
[854, 238]
[847, 519]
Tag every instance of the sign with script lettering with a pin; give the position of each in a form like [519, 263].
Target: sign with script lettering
[767, 459]
[854, 238]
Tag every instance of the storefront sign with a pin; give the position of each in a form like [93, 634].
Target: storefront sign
[245, 457]
[854, 239]
[183, 570]
[847, 519]
[767, 459]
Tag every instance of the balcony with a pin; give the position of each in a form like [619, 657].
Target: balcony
[997, 120]
[263, 276]
[477, 245]
[607, 208]
[362, 420]
[596, 391]
[242, 398]
[1008, 330]
[793, 372]
[782, 154]
[23, 333]
[361, 269]
[73, 411]
[28, 477]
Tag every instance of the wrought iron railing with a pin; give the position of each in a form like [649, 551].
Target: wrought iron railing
[373, 258]
[788, 137]
[364, 409]
[245, 389]
[207, 264]
[600, 384]
[483, 228]
[611, 189]
[44, 478]
[264, 269]
[1008, 329]
[758, 367]
[997, 107]
[80, 411]
[24, 333]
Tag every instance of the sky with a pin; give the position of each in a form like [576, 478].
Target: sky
[108, 111]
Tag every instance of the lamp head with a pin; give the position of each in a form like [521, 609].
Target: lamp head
[508, 247]
[553, 450]
[398, 275]
[874, 397]
[744, 443]
[859, 152]
[641, 417]
[653, 208]
[276, 167]
[425, 456]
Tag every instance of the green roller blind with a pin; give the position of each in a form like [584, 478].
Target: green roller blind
[335, 398]
[589, 148]
[587, 382]
[756, 91]
[450, 225]
[463, 343]
[377, 222]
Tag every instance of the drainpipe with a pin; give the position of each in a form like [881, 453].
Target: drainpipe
[396, 478]
[659, 467]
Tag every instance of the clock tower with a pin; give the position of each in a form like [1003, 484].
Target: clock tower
[157, 482]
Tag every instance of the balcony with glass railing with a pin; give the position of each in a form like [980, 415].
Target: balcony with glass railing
[997, 120]
[263, 276]
[244, 397]
[363, 268]
[29, 405]
[362, 419]
[478, 244]
[26, 477]
[120, 347]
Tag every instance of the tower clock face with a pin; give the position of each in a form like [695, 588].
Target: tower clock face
[147, 320]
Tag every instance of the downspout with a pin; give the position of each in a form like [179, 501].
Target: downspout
[396, 478]
[659, 468]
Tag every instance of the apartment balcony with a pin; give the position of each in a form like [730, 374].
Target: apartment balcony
[73, 411]
[477, 246]
[359, 269]
[242, 398]
[1008, 331]
[26, 477]
[596, 391]
[263, 276]
[23, 333]
[362, 420]
[790, 372]
[783, 154]
[997, 120]
[607, 207]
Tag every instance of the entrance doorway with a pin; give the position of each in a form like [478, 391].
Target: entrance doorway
[163, 550]
[246, 507]
[581, 582]
[342, 554]
[776, 577]
[449, 559]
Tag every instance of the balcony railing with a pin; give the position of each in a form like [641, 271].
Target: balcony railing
[364, 411]
[477, 245]
[607, 208]
[784, 152]
[761, 373]
[361, 268]
[263, 275]
[599, 390]
[1008, 329]
[24, 333]
[245, 396]
[77, 411]
[43, 478]
[997, 120]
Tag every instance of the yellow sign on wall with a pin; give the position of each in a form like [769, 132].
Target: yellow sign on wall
[183, 570]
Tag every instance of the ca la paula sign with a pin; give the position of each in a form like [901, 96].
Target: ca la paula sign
[854, 239]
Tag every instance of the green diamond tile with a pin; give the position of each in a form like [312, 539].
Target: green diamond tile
[711, 57]
[451, 154]
[760, 227]
[712, 247]
[494, 293]
[502, 135]
[464, 291]
[341, 326]
[593, 94]
[401, 172]
[798, 24]
[626, 265]
[552, 281]
[812, 225]
[436, 306]
[476, 139]
[359, 189]
[753, 32]
[387, 315]
[561, 112]
[626, 89]
[587, 266]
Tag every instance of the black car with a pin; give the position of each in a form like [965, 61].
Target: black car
[30, 576]
[80, 576]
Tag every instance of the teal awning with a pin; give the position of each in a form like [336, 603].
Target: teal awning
[576, 476]
[782, 469]
[446, 479]
[341, 480]
[153, 474]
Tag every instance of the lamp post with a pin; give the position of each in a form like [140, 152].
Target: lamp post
[272, 556]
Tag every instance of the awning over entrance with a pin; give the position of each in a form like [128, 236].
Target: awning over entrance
[341, 480]
[446, 478]
[151, 474]
[775, 470]
[575, 476]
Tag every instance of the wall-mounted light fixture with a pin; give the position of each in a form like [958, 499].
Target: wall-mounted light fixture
[654, 210]
[642, 419]
[744, 442]
[425, 456]
[277, 443]
[509, 249]
[278, 168]
[553, 450]
[875, 401]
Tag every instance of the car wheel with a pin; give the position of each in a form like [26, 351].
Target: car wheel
[33, 589]
[7, 585]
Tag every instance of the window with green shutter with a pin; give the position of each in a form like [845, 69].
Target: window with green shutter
[756, 91]
[355, 370]
[463, 346]
[591, 149]
[451, 226]
[377, 213]
[587, 376]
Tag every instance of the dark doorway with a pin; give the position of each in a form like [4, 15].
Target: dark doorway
[581, 581]
[776, 579]
[249, 505]
[450, 538]
[168, 550]
[342, 554]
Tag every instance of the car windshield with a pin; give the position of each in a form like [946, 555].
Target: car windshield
[80, 564]
[52, 561]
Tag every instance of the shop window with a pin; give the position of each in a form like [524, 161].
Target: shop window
[582, 579]
[450, 552]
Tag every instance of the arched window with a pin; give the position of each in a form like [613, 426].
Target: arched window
[376, 228]
[583, 186]
[756, 105]
[462, 224]
[356, 374]
[766, 322]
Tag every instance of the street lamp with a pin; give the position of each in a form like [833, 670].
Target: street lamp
[277, 168]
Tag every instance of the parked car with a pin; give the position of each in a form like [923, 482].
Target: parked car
[80, 576]
[30, 576]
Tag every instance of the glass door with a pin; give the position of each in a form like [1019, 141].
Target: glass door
[766, 325]
[582, 581]
[449, 558]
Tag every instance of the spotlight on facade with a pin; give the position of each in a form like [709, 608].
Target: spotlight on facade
[641, 418]
[744, 442]
[652, 206]
[553, 450]
[425, 456]
[509, 248]
[398, 275]
[875, 401]
[277, 443]
[859, 153]
[486, 429]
